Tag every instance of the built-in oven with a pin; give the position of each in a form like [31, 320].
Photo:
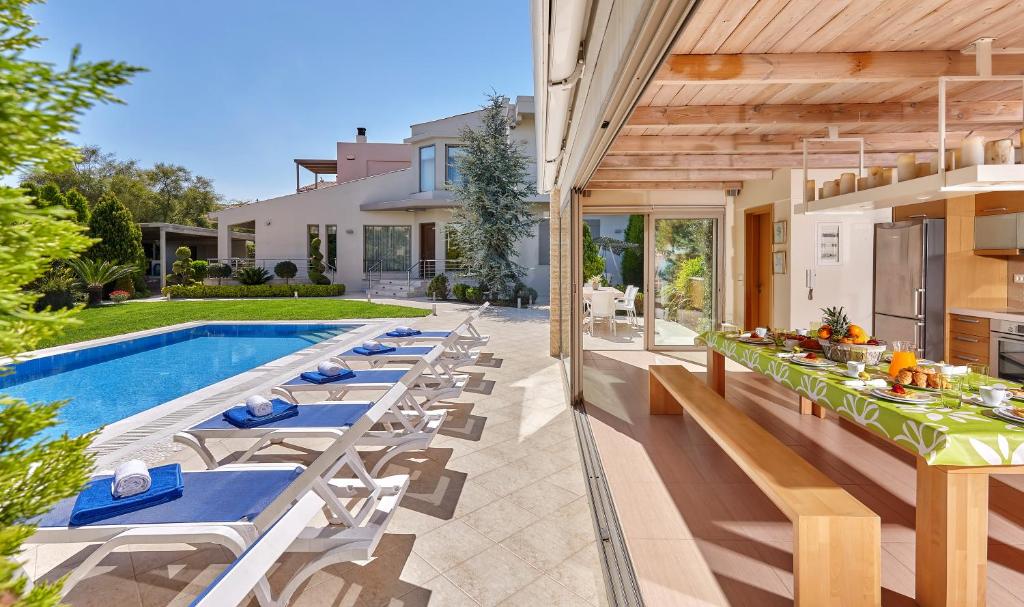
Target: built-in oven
[1007, 350]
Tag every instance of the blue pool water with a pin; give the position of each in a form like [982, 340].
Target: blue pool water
[109, 383]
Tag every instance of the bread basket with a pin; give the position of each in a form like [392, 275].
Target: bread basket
[843, 353]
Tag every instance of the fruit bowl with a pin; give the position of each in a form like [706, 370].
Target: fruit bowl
[842, 353]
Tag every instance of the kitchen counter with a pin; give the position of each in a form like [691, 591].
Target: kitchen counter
[993, 313]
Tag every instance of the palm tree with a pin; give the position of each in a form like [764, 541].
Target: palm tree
[97, 274]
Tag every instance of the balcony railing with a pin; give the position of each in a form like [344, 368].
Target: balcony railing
[267, 263]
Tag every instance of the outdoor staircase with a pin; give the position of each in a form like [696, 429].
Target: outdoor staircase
[399, 288]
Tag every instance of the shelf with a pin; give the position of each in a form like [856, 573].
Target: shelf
[957, 183]
[997, 252]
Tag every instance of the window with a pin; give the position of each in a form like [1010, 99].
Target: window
[312, 231]
[451, 163]
[332, 247]
[427, 168]
[544, 242]
[389, 245]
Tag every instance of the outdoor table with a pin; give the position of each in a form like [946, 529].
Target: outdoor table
[957, 448]
[588, 292]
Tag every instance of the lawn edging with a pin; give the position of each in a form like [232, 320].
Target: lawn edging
[249, 291]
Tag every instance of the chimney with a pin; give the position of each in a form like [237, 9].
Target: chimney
[361, 134]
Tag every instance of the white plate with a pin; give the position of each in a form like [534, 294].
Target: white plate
[975, 399]
[815, 363]
[1008, 414]
[924, 399]
[754, 341]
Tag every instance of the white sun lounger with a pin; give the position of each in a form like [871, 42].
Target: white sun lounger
[428, 378]
[407, 426]
[235, 505]
[467, 332]
[454, 355]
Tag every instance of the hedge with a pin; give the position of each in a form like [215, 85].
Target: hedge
[229, 291]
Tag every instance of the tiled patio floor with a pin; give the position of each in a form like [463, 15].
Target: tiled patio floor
[496, 513]
[700, 533]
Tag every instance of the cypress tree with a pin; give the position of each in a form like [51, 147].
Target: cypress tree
[120, 237]
[633, 257]
[78, 203]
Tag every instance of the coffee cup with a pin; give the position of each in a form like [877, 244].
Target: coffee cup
[993, 395]
[802, 332]
[854, 368]
[761, 332]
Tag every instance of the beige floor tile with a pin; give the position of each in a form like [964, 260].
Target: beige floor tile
[500, 519]
[545, 591]
[438, 592]
[492, 575]
[542, 498]
[450, 545]
[582, 574]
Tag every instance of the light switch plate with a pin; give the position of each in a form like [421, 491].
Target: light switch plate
[1018, 279]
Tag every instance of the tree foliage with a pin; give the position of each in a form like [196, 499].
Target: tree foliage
[286, 270]
[120, 238]
[494, 215]
[633, 257]
[39, 105]
[75, 201]
[165, 192]
[593, 263]
[316, 264]
[181, 269]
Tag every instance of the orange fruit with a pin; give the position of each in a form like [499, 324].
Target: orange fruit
[824, 332]
[857, 334]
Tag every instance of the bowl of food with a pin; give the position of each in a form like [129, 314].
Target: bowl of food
[868, 353]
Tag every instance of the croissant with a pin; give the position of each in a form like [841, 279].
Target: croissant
[905, 376]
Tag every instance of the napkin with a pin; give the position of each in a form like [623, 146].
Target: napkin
[859, 383]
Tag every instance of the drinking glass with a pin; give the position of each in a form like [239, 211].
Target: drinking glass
[977, 376]
[953, 396]
[903, 356]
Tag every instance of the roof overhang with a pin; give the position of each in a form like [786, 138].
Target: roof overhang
[326, 166]
[183, 230]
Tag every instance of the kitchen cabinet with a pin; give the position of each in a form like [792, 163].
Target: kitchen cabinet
[998, 203]
[998, 231]
[936, 209]
[968, 339]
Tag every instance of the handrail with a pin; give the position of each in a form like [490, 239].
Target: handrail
[428, 268]
[378, 267]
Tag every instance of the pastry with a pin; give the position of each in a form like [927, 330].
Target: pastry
[905, 376]
[920, 379]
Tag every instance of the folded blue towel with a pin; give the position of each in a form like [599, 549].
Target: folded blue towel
[365, 352]
[317, 377]
[239, 416]
[403, 333]
[96, 503]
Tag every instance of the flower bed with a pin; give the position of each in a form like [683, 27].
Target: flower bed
[265, 290]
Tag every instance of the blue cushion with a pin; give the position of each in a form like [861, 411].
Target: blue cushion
[324, 415]
[375, 351]
[96, 502]
[316, 377]
[214, 496]
[241, 418]
[403, 333]
[362, 376]
[409, 351]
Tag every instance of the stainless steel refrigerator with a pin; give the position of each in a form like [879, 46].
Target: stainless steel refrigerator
[910, 290]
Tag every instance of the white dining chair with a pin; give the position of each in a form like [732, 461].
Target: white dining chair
[627, 304]
[602, 307]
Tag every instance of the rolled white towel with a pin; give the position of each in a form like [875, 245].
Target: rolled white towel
[131, 478]
[329, 368]
[402, 329]
[258, 406]
[372, 345]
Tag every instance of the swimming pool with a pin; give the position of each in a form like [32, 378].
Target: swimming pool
[114, 381]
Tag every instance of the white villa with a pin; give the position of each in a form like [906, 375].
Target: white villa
[385, 215]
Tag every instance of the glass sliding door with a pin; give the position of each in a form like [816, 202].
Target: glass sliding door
[391, 246]
[685, 274]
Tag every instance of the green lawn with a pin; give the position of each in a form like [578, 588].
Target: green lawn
[104, 321]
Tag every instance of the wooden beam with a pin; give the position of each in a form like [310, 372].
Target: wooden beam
[958, 112]
[788, 143]
[664, 185]
[807, 68]
[680, 174]
[753, 161]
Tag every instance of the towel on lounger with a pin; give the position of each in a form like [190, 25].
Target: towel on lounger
[316, 377]
[239, 416]
[403, 332]
[131, 478]
[329, 368]
[257, 406]
[96, 502]
[368, 352]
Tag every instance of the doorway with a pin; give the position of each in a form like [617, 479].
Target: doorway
[757, 283]
[685, 272]
[613, 272]
[428, 255]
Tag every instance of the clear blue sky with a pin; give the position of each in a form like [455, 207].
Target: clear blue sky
[238, 88]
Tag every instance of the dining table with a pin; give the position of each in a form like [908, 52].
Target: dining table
[957, 446]
[588, 292]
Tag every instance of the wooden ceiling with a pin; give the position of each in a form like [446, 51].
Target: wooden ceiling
[747, 80]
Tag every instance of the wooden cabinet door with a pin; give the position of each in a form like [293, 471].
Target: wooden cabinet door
[935, 209]
[998, 203]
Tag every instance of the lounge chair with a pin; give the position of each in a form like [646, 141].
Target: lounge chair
[454, 355]
[467, 332]
[235, 505]
[407, 426]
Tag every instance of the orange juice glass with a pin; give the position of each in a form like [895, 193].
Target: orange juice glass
[902, 357]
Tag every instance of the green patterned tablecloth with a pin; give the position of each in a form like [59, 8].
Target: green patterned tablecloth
[943, 435]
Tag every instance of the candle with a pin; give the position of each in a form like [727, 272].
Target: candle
[924, 169]
[809, 190]
[906, 167]
[830, 188]
[874, 177]
[999, 151]
[972, 151]
[847, 183]
[862, 183]
[950, 160]
[887, 175]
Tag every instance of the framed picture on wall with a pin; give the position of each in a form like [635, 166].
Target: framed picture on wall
[827, 244]
[779, 262]
[779, 232]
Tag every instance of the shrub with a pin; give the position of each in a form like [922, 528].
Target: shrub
[120, 237]
[97, 274]
[125, 284]
[459, 290]
[200, 270]
[57, 289]
[528, 295]
[254, 275]
[120, 296]
[474, 295]
[286, 270]
[316, 264]
[78, 203]
[181, 269]
[219, 271]
[438, 287]
[264, 290]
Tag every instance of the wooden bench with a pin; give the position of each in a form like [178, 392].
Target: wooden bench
[836, 539]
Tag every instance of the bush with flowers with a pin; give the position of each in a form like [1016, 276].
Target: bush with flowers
[120, 296]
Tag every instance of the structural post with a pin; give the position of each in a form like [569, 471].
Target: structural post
[296, 177]
[163, 258]
[223, 241]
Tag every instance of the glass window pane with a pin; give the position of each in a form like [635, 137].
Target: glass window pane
[389, 245]
[427, 168]
[544, 242]
[685, 279]
[312, 231]
[332, 246]
[453, 153]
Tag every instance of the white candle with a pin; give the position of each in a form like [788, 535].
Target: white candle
[887, 175]
[809, 190]
[874, 177]
[999, 151]
[862, 183]
[847, 183]
[972, 151]
[906, 167]
[830, 188]
[924, 169]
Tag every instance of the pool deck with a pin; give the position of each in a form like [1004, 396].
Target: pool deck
[496, 514]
